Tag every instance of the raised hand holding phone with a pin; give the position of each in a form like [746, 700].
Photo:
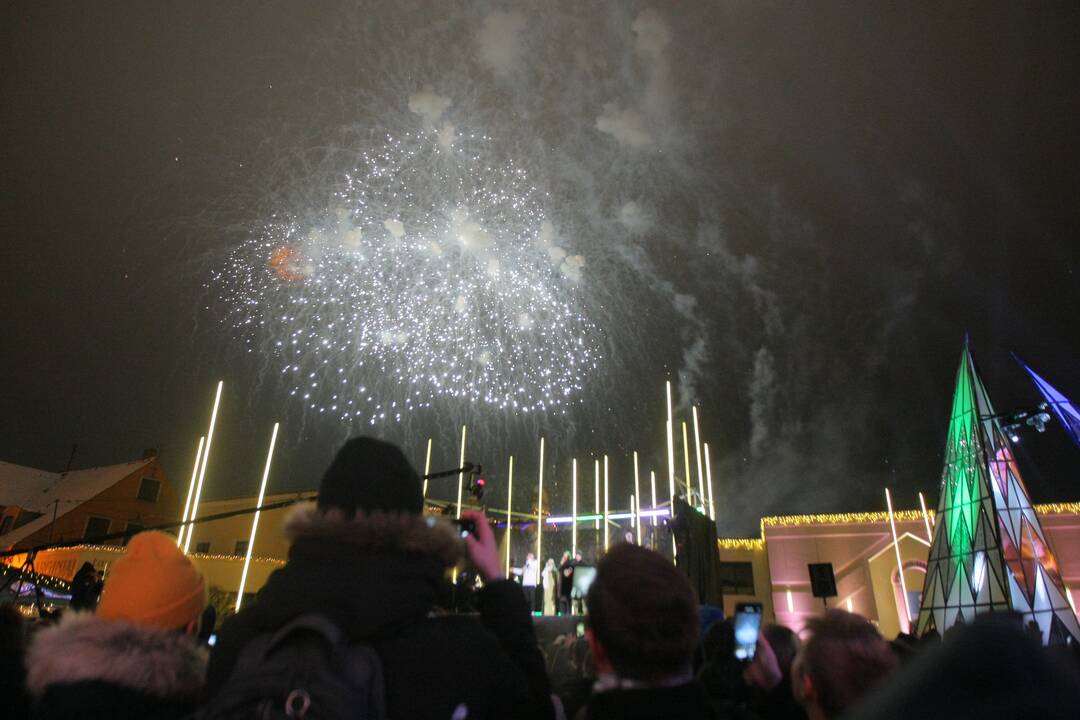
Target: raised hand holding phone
[481, 548]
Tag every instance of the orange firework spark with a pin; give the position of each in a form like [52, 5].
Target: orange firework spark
[284, 261]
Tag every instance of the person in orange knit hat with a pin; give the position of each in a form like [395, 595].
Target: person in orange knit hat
[137, 656]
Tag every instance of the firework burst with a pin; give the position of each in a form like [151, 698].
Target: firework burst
[432, 273]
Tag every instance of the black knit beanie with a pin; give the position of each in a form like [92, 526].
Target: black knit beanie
[368, 475]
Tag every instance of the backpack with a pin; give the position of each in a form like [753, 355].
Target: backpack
[306, 669]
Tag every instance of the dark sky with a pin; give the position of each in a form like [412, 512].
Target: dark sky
[843, 190]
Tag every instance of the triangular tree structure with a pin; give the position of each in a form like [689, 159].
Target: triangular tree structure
[1066, 412]
[989, 551]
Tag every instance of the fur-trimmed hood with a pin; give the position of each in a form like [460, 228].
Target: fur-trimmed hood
[83, 647]
[432, 536]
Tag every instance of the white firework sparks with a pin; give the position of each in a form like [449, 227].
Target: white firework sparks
[431, 274]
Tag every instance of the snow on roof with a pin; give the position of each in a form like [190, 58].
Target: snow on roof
[24, 486]
[40, 491]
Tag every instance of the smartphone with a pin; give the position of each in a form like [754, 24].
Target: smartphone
[212, 640]
[747, 627]
[580, 629]
[465, 527]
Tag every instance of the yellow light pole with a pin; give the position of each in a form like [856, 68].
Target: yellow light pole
[905, 623]
[635, 508]
[607, 529]
[708, 481]
[461, 472]
[596, 506]
[190, 491]
[509, 518]
[202, 468]
[652, 483]
[686, 462]
[255, 520]
[427, 466]
[540, 507]
[637, 495]
[697, 452]
[669, 431]
[926, 519]
[573, 508]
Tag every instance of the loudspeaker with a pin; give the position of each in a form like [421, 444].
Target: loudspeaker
[822, 581]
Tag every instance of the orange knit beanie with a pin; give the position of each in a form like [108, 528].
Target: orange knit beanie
[153, 583]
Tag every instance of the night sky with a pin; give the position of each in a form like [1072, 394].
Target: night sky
[795, 213]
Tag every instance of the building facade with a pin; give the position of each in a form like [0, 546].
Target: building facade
[39, 507]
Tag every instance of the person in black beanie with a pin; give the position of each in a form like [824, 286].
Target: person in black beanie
[364, 557]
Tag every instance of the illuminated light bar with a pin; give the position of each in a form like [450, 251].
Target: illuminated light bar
[190, 492]
[573, 508]
[540, 507]
[790, 602]
[906, 625]
[926, 519]
[562, 519]
[427, 468]
[607, 530]
[255, 520]
[461, 475]
[202, 468]
[509, 505]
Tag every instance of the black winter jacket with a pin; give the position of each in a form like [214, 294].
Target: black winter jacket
[86, 667]
[382, 578]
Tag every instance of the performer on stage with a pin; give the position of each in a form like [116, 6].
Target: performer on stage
[551, 586]
[530, 576]
[566, 583]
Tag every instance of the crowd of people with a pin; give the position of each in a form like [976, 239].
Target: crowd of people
[356, 625]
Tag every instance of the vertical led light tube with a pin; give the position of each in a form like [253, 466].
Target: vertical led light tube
[607, 529]
[671, 468]
[596, 489]
[686, 466]
[427, 467]
[461, 471]
[670, 429]
[697, 452]
[255, 520]
[906, 610]
[637, 495]
[540, 508]
[509, 512]
[190, 492]
[573, 508]
[790, 602]
[635, 507]
[652, 483]
[202, 468]
[708, 483]
[926, 519]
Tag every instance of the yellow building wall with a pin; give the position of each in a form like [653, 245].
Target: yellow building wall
[752, 551]
[223, 535]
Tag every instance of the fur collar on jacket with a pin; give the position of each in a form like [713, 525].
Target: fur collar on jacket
[83, 647]
[430, 535]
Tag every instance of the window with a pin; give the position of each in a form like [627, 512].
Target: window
[149, 489]
[241, 548]
[737, 578]
[203, 547]
[132, 528]
[96, 527]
